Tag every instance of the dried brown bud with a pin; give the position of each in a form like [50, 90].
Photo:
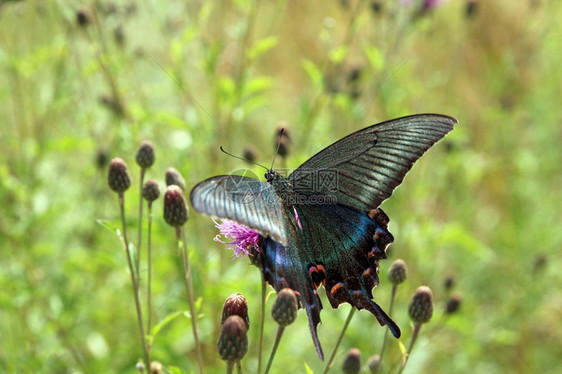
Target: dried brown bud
[145, 155]
[118, 176]
[352, 362]
[233, 340]
[398, 272]
[175, 207]
[151, 190]
[236, 305]
[421, 306]
[173, 177]
[284, 309]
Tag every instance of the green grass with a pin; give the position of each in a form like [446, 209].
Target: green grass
[483, 205]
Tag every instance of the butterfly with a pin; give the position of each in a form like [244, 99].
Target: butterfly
[322, 225]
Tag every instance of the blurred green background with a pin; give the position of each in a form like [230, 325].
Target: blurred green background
[82, 82]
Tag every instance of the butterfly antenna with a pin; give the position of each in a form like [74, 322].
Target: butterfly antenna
[278, 145]
[242, 158]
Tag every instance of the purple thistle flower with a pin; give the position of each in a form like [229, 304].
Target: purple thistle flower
[243, 238]
[430, 4]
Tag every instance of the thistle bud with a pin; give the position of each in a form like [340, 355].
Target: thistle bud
[236, 305]
[453, 304]
[173, 177]
[352, 362]
[421, 306]
[145, 155]
[376, 6]
[284, 309]
[471, 8]
[175, 207]
[150, 190]
[398, 272]
[83, 17]
[249, 154]
[118, 176]
[282, 140]
[101, 158]
[233, 340]
[374, 363]
[449, 282]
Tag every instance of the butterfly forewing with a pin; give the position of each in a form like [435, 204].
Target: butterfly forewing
[245, 200]
[363, 169]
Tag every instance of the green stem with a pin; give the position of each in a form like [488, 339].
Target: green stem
[385, 339]
[342, 333]
[230, 367]
[238, 367]
[417, 328]
[133, 279]
[262, 322]
[149, 284]
[275, 345]
[182, 243]
[139, 236]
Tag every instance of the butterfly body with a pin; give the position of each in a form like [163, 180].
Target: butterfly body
[322, 225]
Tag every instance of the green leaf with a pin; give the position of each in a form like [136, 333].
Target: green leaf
[175, 370]
[308, 369]
[403, 350]
[262, 46]
[108, 225]
[338, 54]
[257, 84]
[375, 56]
[313, 72]
[165, 321]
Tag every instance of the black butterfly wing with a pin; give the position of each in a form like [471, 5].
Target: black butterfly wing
[362, 169]
[284, 266]
[339, 247]
[248, 201]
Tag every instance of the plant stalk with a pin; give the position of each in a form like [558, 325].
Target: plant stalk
[417, 328]
[182, 243]
[135, 283]
[342, 333]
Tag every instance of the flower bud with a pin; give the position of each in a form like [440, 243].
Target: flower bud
[352, 362]
[284, 309]
[453, 304]
[282, 140]
[249, 154]
[101, 158]
[233, 340]
[421, 306]
[118, 176]
[236, 305]
[398, 272]
[449, 282]
[83, 17]
[173, 177]
[175, 207]
[145, 155]
[374, 364]
[151, 190]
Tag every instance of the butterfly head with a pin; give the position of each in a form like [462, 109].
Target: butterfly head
[271, 175]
